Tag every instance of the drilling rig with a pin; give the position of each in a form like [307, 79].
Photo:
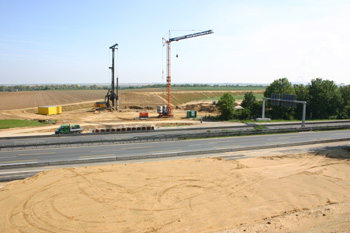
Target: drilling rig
[166, 111]
[112, 97]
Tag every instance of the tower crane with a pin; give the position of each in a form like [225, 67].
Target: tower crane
[167, 112]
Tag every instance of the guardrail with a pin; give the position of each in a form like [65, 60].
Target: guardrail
[165, 137]
[247, 126]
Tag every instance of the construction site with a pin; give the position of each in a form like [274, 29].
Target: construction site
[24, 105]
[174, 117]
[157, 180]
[96, 109]
[164, 111]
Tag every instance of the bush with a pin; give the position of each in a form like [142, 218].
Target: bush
[226, 106]
[242, 114]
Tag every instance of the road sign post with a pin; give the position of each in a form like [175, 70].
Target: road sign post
[263, 109]
[287, 101]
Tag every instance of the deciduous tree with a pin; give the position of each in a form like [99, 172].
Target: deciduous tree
[325, 100]
[281, 86]
[302, 93]
[248, 100]
[226, 106]
[345, 94]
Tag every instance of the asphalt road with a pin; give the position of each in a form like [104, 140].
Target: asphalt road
[156, 133]
[165, 147]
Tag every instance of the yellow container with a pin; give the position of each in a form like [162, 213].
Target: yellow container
[59, 109]
[50, 110]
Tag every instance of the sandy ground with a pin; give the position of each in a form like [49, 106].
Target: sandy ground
[277, 192]
[78, 108]
[288, 191]
[89, 120]
[84, 114]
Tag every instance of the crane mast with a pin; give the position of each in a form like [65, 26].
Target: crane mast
[168, 111]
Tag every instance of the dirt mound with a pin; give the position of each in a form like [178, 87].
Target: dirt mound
[202, 107]
[181, 97]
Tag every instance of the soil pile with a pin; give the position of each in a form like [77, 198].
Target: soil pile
[200, 107]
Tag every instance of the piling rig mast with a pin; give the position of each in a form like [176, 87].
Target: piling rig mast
[167, 112]
[112, 98]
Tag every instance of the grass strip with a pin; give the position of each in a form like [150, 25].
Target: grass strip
[7, 124]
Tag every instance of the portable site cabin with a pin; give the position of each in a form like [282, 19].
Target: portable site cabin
[191, 114]
[49, 110]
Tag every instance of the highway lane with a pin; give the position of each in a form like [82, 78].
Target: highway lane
[133, 135]
[164, 147]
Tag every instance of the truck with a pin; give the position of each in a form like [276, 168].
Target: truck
[68, 129]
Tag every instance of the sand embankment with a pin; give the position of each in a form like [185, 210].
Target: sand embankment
[285, 193]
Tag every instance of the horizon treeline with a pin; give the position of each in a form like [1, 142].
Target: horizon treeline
[15, 88]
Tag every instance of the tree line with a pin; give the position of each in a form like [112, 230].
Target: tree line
[106, 87]
[325, 100]
[52, 87]
[195, 85]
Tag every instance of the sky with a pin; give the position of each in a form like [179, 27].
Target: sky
[254, 41]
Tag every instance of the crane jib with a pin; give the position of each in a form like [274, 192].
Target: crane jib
[191, 35]
[167, 112]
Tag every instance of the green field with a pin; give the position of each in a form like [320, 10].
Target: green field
[6, 124]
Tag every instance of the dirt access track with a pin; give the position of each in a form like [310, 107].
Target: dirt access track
[78, 108]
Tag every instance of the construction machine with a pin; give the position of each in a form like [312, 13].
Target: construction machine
[112, 98]
[166, 111]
